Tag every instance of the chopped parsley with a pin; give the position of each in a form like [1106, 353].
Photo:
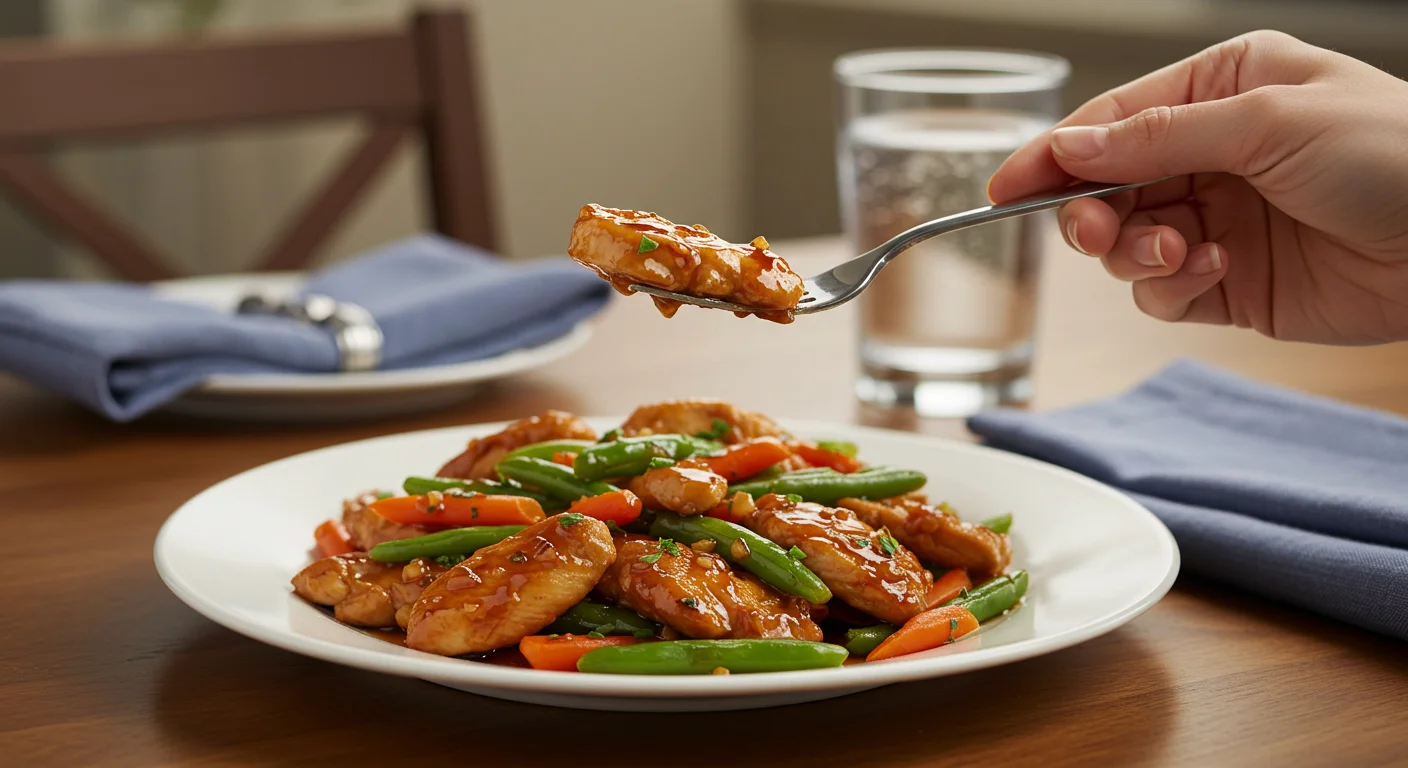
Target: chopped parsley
[609, 436]
[652, 557]
[473, 512]
[838, 446]
[670, 546]
[862, 543]
[518, 557]
[595, 635]
[952, 626]
[796, 553]
[570, 519]
[384, 495]
[794, 498]
[889, 545]
[718, 430]
[690, 602]
[646, 244]
[450, 561]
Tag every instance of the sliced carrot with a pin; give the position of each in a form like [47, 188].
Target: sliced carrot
[929, 629]
[619, 507]
[565, 458]
[721, 511]
[562, 652]
[459, 511]
[743, 461]
[817, 456]
[948, 586]
[333, 539]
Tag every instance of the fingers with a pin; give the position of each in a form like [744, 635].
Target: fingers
[1143, 252]
[1214, 136]
[1234, 67]
[1191, 294]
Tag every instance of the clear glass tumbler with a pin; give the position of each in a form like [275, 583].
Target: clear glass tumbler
[946, 329]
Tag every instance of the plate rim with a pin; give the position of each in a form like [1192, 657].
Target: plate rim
[840, 679]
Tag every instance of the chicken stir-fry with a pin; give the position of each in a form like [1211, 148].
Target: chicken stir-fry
[483, 454]
[698, 595]
[635, 247]
[697, 537]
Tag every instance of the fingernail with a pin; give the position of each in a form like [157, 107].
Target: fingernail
[1150, 254]
[1075, 241]
[1080, 143]
[1206, 261]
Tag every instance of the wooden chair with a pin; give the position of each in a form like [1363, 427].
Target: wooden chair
[400, 82]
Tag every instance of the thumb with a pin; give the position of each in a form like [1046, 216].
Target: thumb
[1210, 136]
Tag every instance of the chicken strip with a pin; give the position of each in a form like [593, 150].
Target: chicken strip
[699, 595]
[415, 577]
[689, 417]
[357, 587]
[369, 529]
[478, 460]
[688, 488]
[936, 535]
[511, 589]
[627, 247]
[860, 565]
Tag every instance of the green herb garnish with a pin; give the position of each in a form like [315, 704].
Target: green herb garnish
[646, 244]
[889, 545]
[796, 553]
[794, 498]
[642, 634]
[652, 557]
[384, 495]
[862, 543]
[720, 428]
[952, 626]
[610, 435]
[570, 519]
[595, 635]
[450, 561]
[518, 557]
[690, 602]
[670, 546]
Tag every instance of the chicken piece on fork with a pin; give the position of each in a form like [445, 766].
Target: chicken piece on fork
[638, 248]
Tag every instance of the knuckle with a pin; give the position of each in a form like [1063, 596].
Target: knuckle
[1151, 127]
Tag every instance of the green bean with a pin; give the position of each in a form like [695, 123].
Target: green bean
[587, 617]
[419, 486]
[660, 462]
[999, 524]
[630, 456]
[550, 448]
[702, 657]
[830, 487]
[994, 596]
[456, 541]
[862, 640]
[549, 478]
[763, 558]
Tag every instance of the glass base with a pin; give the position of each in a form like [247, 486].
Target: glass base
[943, 382]
[943, 399]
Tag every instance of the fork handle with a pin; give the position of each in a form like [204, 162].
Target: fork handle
[957, 221]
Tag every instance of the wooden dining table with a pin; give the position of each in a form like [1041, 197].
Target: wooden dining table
[101, 665]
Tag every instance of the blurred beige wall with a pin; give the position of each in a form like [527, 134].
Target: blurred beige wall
[585, 100]
[710, 111]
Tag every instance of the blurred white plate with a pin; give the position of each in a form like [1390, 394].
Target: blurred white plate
[331, 396]
[1097, 560]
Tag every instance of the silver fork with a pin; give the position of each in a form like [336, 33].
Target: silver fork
[842, 283]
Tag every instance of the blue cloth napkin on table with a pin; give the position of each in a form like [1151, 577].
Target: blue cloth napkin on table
[1296, 498]
[123, 351]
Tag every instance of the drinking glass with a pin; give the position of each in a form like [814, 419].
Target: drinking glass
[946, 329]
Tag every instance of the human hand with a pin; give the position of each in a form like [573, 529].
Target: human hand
[1290, 211]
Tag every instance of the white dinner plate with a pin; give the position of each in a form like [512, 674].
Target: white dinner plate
[1097, 560]
[331, 396]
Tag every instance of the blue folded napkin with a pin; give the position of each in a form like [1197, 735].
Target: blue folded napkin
[123, 351]
[1293, 497]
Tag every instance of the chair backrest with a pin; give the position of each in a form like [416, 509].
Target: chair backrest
[400, 82]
